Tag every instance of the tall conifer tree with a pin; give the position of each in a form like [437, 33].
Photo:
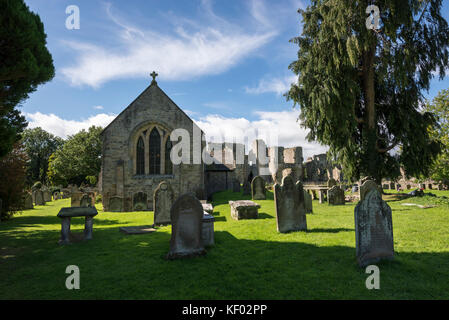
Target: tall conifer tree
[361, 90]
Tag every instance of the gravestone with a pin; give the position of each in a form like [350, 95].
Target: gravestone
[75, 200]
[85, 201]
[140, 202]
[368, 185]
[331, 182]
[115, 204]
[56, 195]
[207, 232]
[47, 195]
[373, 227]
[27, 201]
[335, 196]
[163, 199]
[258, 188]
[244, 209]
[235, 185]
[186, 216]
[308, 202]
[246, 188]
[39, 198]
[208, 207]
[290, 207]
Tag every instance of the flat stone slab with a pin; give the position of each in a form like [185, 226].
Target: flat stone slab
[208, 207]
[418, 205]
[137, 230]
[77, 212]
[244, 209]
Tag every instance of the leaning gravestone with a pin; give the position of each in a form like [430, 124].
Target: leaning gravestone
[373, 227]
[115, 204]
[235, 185]
[39, 198]
[246, 188]
[335, 196]
[140, 202]
[258, 188]
[186, 216]
[289, 203]
[27, 201]
[308, 202]
[163, 199]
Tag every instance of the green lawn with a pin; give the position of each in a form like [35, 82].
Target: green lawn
[249, 261]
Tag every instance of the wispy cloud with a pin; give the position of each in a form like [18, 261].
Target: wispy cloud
[63, 127]
[276, 85]
[98, 107]
[185, 52]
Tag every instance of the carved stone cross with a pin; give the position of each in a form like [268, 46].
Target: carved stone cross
[154, 75]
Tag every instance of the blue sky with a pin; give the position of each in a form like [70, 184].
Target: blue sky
[223, 62]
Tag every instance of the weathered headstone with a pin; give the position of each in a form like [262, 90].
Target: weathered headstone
[75, 199]
[207, 233]
[115, 204]
[246, 188]
[186, 216]
[308, 202]
[47, 195]
[27, 201]
[163, 199]
[85, 201]
[258, 188]
[56, 195]
[39, 198]
[335, 196]
[235, 185]
[140, 202]
[290, 207]
[244, 209]
[373, 227]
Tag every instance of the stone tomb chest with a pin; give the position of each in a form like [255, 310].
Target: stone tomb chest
[244, 209]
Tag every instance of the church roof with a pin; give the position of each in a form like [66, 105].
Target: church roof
[153, 84]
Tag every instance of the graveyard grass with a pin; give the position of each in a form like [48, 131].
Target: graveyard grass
[250, 259]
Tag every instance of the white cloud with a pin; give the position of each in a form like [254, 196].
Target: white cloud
[98, 107]
[276, 128]
[276, 85]
[191, 51]
[62, 127]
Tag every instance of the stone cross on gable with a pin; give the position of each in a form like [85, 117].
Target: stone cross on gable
[154, 75]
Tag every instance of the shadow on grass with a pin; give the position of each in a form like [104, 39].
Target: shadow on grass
[329, 230]
[263, 215]
[232, 269]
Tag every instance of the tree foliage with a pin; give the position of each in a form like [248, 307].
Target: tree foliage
[12, 177]
[79, 158]
[39, 146]
[25, 63]
[360, 90]
[440, 108]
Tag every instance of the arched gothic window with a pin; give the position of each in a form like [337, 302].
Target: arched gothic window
[140, 159]
[155, 152]
[168, 163]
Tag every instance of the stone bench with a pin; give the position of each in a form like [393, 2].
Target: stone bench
[244, 209]
[67, 213]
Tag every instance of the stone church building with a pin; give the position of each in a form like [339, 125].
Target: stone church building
[136, 153]
[136, 156]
